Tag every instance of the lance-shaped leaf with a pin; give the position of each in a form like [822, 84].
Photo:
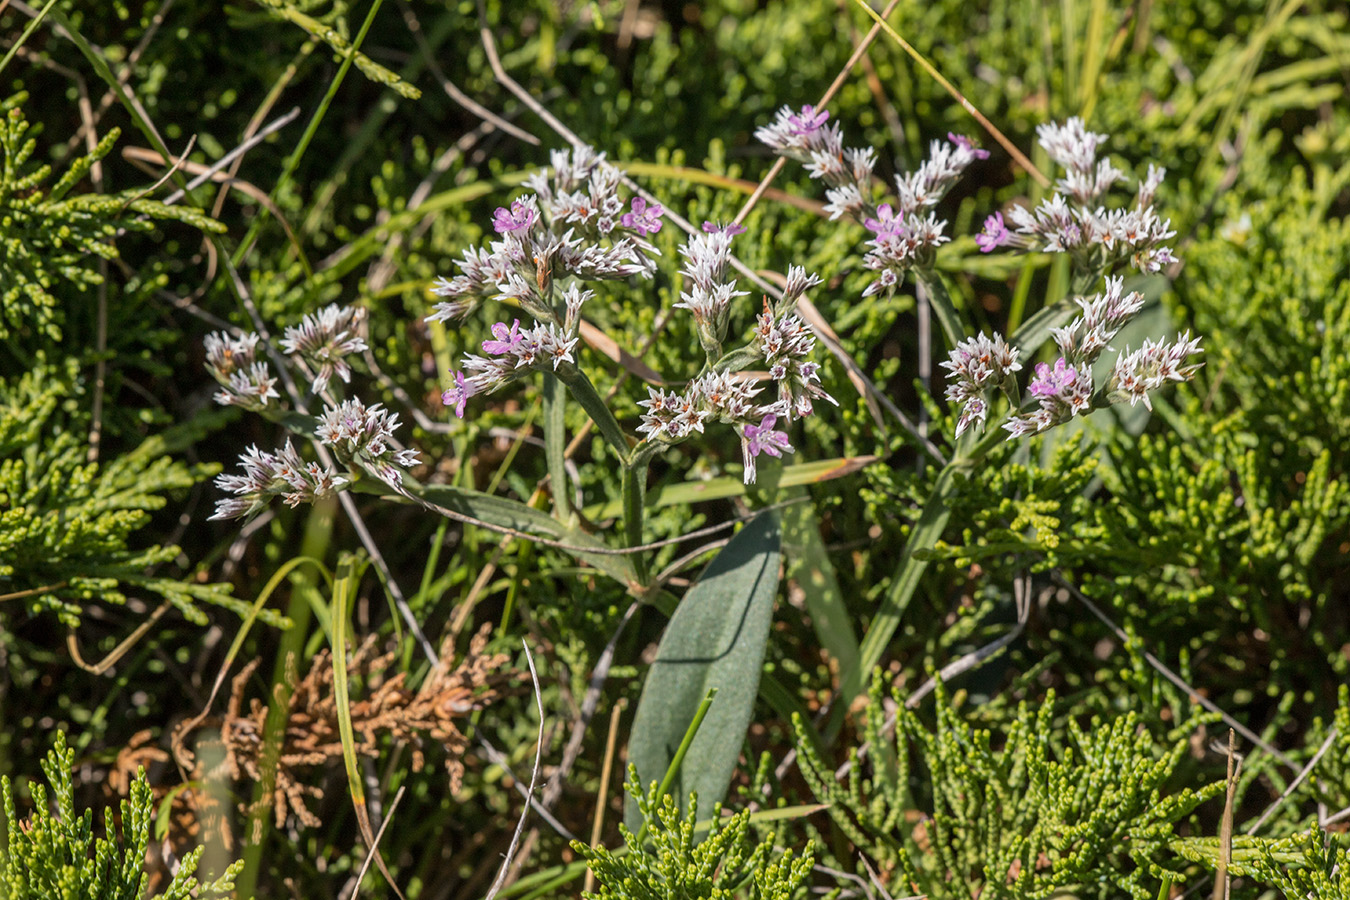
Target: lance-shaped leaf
[716, 640]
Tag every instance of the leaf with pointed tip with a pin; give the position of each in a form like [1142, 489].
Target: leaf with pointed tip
[716, 639]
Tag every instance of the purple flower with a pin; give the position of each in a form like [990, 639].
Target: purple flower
[507, 340]
[995, 234]
[964, 143]
[808, 121]
[761, 438]
[887, 222]
[458, 396]
[1051, 383]
[520, 215]
[643, 219]
[729, 228]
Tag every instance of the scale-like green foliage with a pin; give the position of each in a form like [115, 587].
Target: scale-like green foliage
[723, 863]
[56, 857]
[1310, 864]
[67, 525]
[1250, 503]
[1042, 811]
[49, 241]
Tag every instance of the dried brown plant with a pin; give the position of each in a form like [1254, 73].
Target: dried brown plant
[310, 740]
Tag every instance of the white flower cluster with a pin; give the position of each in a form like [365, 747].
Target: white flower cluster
[906, 234]
[716, 397]
[1074, 221]
[361, 437]
[267, 475]
[365, 435]
[324, 339]
[708, 293]
[786, 343]
[1151, 366]
[245, 381]
[1066, 389]
[781, 339]
[514, 350]
[573, 224]
[977, 364]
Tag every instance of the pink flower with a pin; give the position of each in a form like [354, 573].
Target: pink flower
[1051, 383]
[643, 219]
[886, 222]
[761, 438]
[458, 396]
[995, 234]
[964, 143]
[729, 228]
[519, 216]
[808, 121]
[507, 340]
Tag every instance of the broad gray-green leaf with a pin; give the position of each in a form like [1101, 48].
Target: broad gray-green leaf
[715, 639]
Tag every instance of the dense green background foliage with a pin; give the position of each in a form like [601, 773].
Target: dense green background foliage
[1215, 533]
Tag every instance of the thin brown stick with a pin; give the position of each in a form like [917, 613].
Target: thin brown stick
[451, 89]
[1293, 785]
[1222, 882]
[370, 854]
[1018, 156]
[30, 592]
[1194, 695]
[103, 665]
[534, 777]
[602, 797]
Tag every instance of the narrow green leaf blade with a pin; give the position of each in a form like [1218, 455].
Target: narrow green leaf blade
[716, 639]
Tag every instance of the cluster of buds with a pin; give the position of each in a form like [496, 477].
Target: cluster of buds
[906, 234]
[363, 436]
[977, 364]
[781, 339]
[321, 342]
[267, 475]
[245, 381]
[1065, 389]
[1073, 220]
[786, 344]
[574, 224]
[514, 350]
[716, 397]
[324, 339]
[708, 292]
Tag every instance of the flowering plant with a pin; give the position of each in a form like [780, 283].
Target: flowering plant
[573, 229]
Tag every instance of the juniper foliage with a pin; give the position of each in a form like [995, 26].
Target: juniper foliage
[50, 239]
[68, 526]
[1022, 818]
[56, 857]
[1310, 864]
[683, 863]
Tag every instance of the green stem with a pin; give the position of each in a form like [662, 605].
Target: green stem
[634, 488]
[678, 759]
[943, 308]
[584, 393]
[555, 444]
[33, 23]
[294, 159]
